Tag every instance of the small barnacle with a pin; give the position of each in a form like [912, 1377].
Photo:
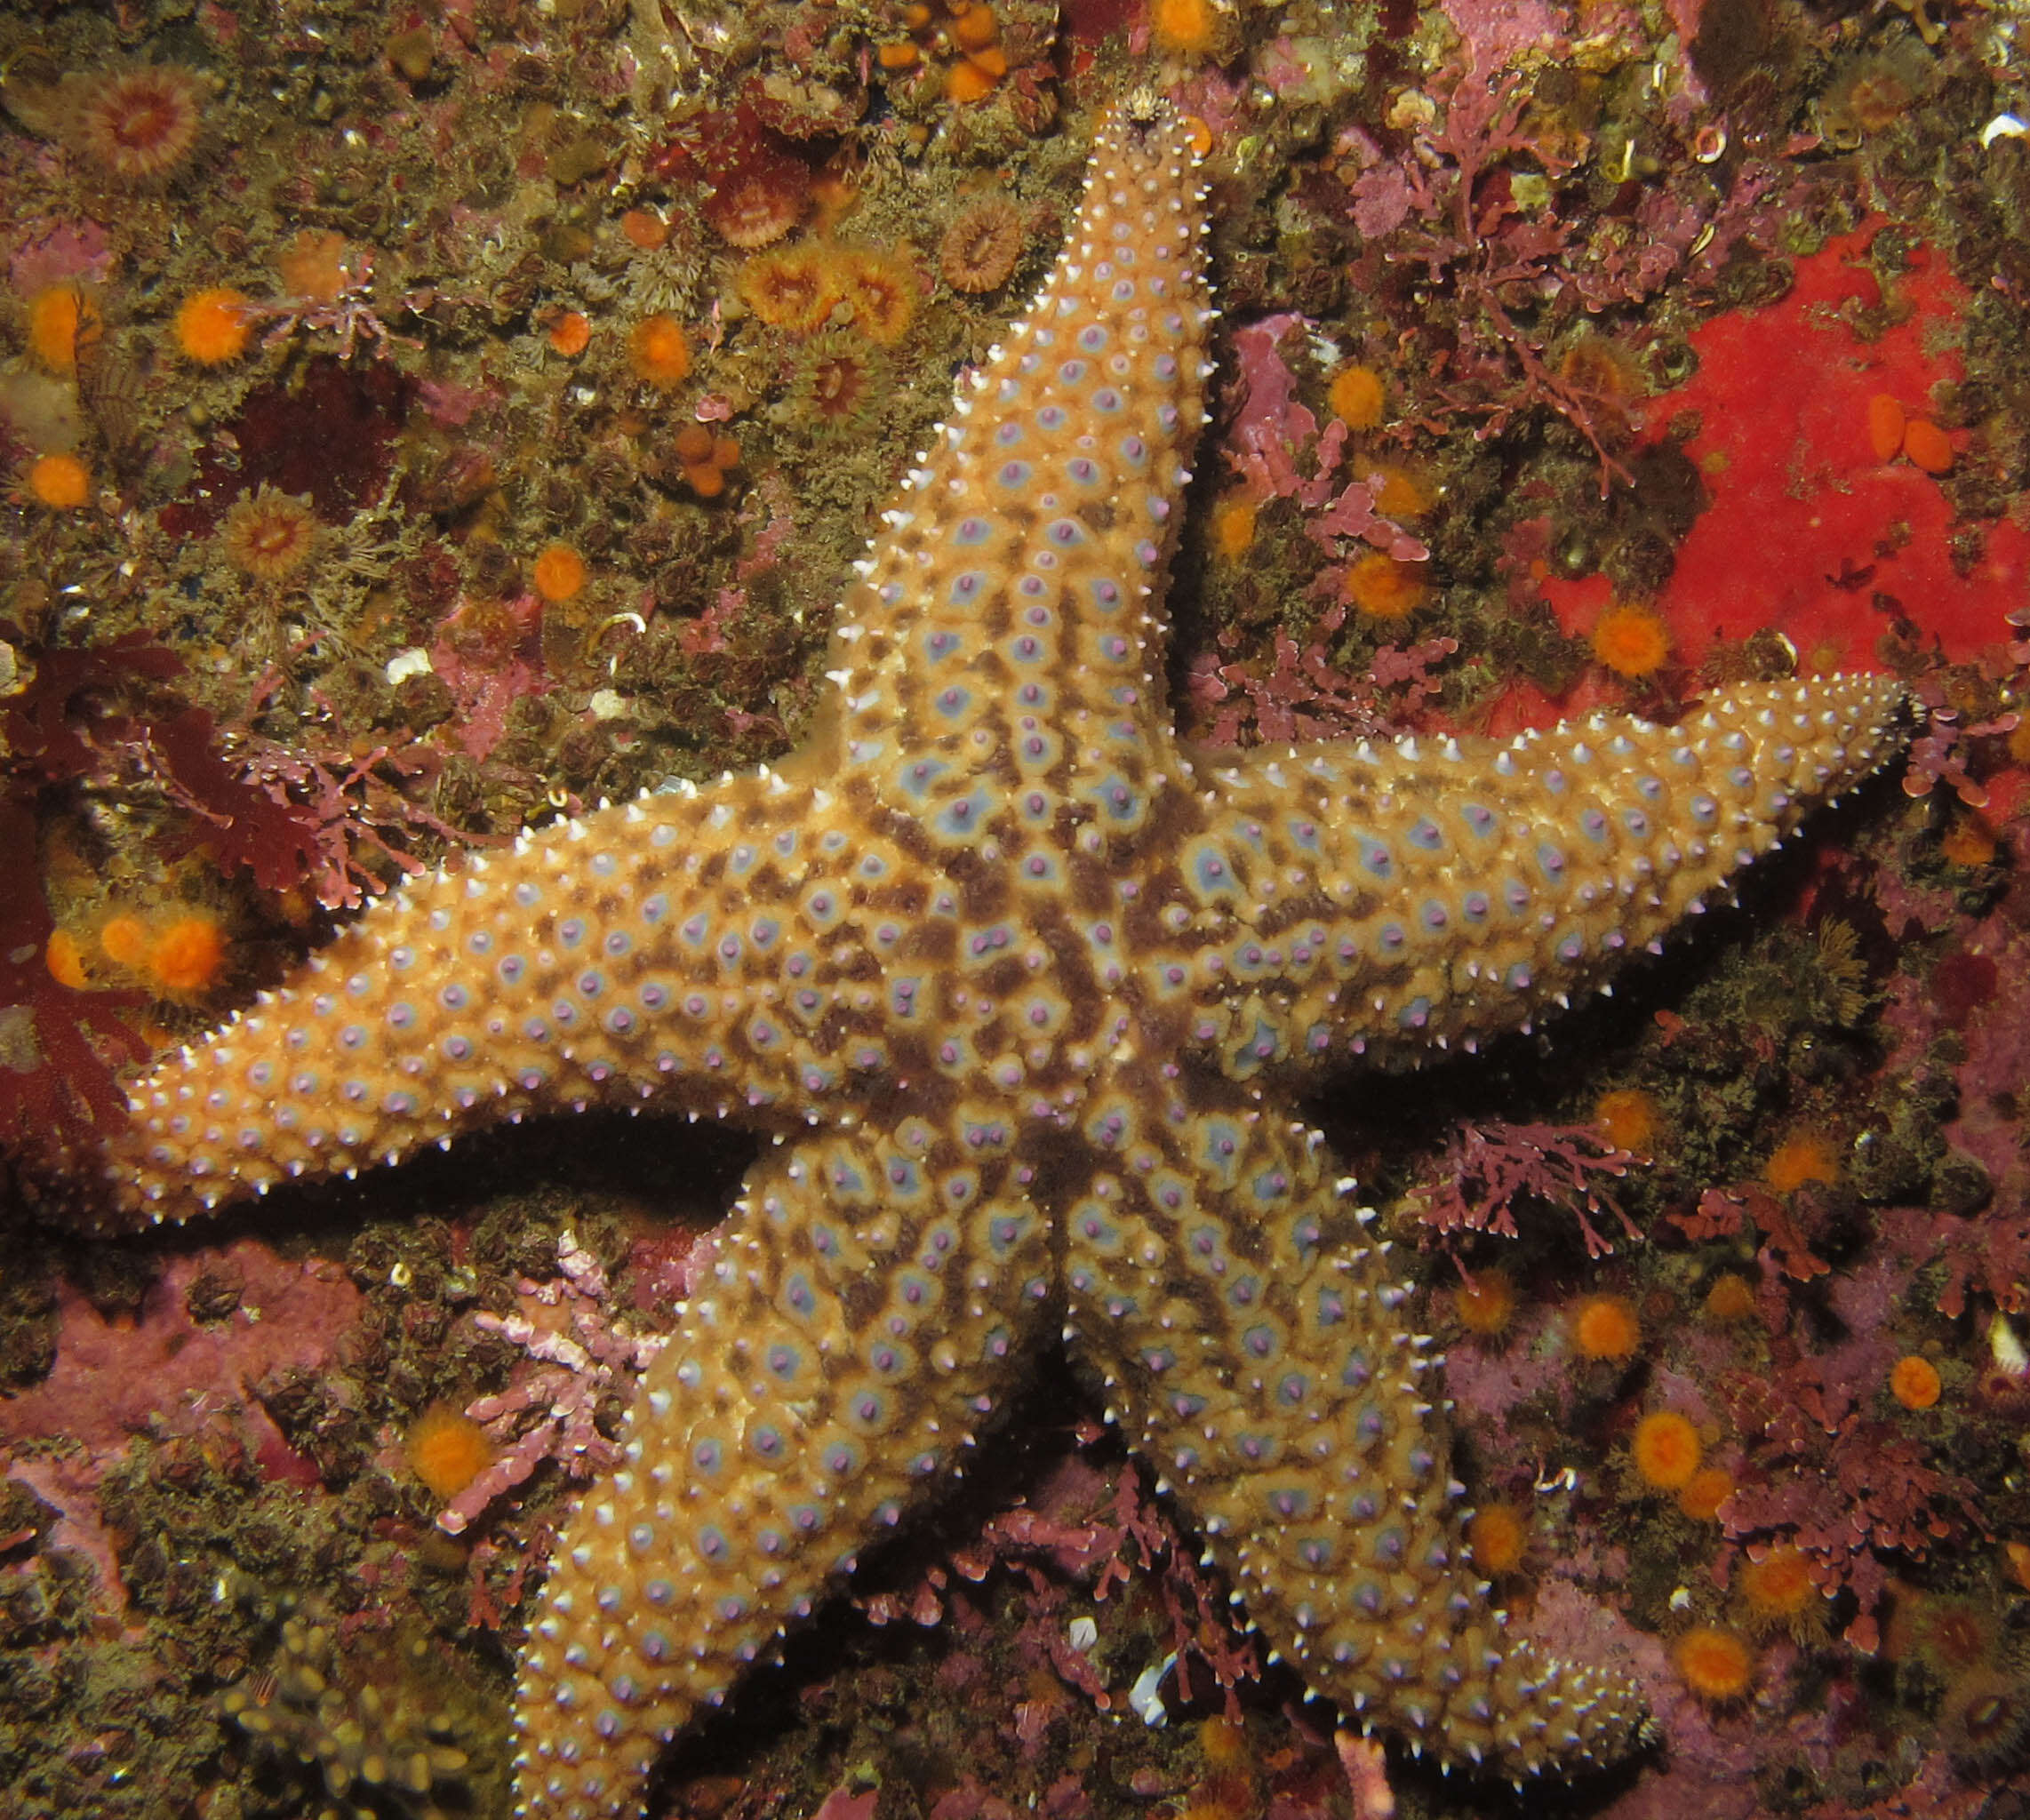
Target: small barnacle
[269, 535]
[981, 246]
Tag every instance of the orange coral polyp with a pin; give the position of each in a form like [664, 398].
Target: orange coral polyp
[1399, 489]
[125, 939]
[1497, 1534]
[1666, 1451]
[975, 29]
[1357, 398]
[1805, 1157]
[447, 1449]
[188, 957]
[1631, 640]
[212, 327]
[659, 352]
[559, 572]
[1716, 1664]
[60, 482]
[1191, 26]
[1234, 528]
[61, 320]
[1704, 1492]
[1487, 1304]
[1926, 446]
[64, 956]
[313, 265]
[1777, 1588]
[1606, 1327]
[1886, 422]
[1384, 588]
[1914, 1382]
[1731, 1298]
[570, 334]
[967, 83]
[1968, 840]
[645, 229]
[1629, 1118]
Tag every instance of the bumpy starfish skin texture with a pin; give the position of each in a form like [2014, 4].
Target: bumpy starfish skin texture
[1018, 986]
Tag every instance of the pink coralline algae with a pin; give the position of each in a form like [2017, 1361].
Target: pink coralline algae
[576, 1354]
[1846, 1487]
[60, 252]
[1497, 30]
[168, 1370]
[1303, 697]
[1486, 1170]
[1976, 1253]
[489, 657]
[1273, 431]
[1453, 201]
[173, 1370]
[1942, 754]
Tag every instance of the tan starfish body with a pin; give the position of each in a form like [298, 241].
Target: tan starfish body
[1018, 986]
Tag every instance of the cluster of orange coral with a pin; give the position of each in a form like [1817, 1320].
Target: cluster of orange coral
[175, 951]
[962, 35]
[705, 459]
[801, 288]
[1892, 431]
[1380, 586]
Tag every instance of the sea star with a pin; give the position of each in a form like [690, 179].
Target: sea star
[1017, 986]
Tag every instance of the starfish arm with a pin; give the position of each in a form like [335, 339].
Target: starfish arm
[716, 950]
[1384, 900]
[999, 661]
[1256, 1349]
[874, 1296]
